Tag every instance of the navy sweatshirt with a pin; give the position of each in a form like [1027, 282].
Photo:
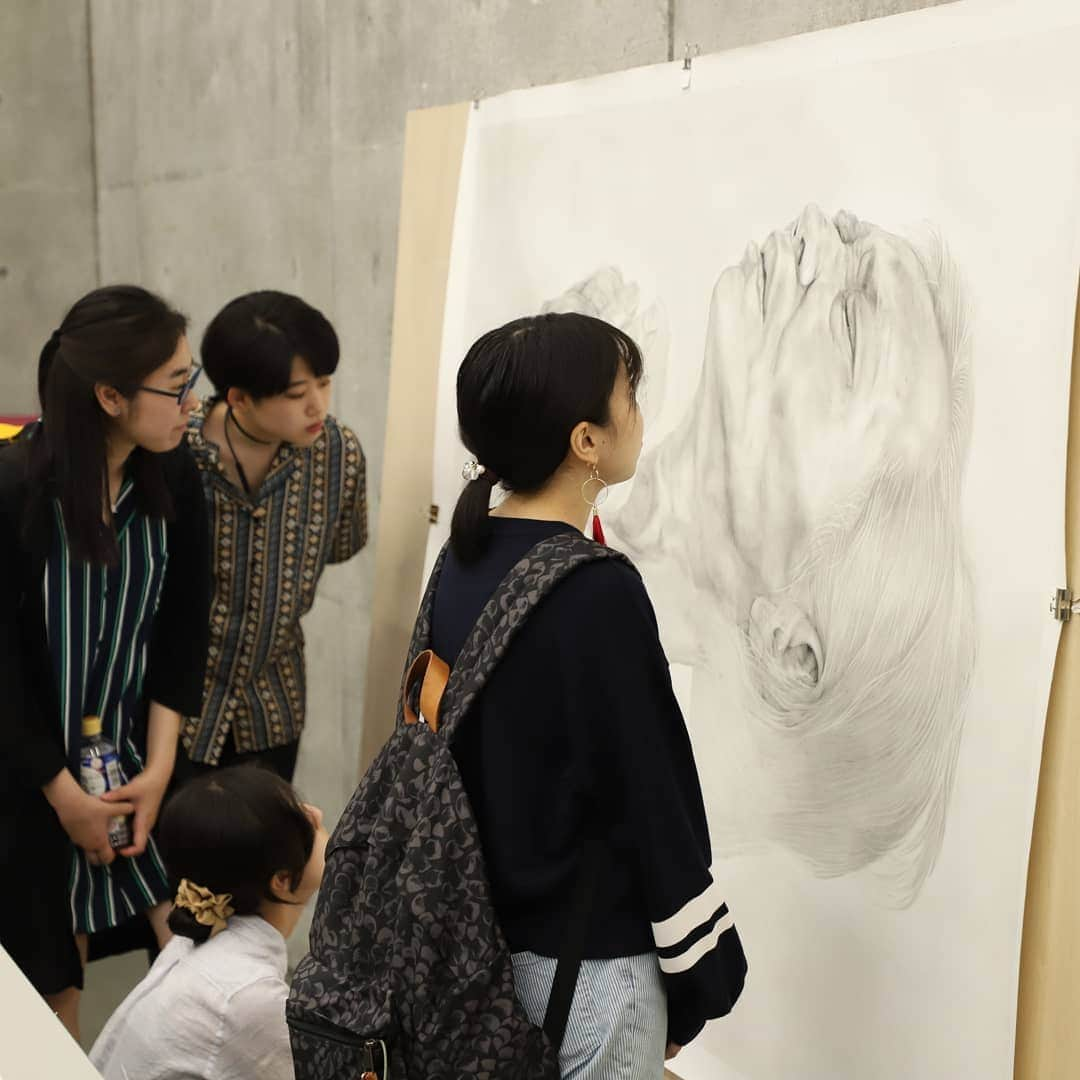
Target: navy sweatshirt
[579, 719]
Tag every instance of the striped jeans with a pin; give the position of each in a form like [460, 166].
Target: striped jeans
[618, 1019]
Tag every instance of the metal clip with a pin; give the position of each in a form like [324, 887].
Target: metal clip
[373, 1072]
[687, 64]
[1063, 607]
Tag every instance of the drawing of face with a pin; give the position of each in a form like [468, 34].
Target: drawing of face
[800, 534]
[830, 366]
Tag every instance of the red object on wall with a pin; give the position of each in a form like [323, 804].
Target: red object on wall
[17, 421]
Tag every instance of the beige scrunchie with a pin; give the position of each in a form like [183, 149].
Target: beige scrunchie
[210, 909]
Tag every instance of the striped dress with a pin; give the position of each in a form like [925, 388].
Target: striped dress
[99, 621]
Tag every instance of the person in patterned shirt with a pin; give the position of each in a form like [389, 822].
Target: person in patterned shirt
[285, 486]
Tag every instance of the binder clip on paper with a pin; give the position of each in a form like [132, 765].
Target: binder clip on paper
[688, 64]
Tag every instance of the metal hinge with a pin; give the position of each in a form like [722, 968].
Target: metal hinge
[1063, 607]
[433, 514]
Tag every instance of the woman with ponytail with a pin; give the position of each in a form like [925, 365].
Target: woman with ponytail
[579, 721]
[245, 856]
[103, 613]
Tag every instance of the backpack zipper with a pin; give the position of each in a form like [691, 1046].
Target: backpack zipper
[327, 1030]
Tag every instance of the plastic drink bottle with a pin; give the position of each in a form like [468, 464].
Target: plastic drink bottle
[99, 771]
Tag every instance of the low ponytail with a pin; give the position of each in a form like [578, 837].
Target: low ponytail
[224, 837]
[470, 529]
[184, 924]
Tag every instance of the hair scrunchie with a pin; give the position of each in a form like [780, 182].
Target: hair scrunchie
[472, 471]
[210, 909]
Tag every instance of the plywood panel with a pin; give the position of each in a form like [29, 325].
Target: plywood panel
[1047, 1034]
[434, 142]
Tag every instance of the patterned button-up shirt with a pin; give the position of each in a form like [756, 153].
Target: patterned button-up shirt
[268, 553]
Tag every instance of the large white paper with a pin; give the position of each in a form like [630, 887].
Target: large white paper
[873, 847]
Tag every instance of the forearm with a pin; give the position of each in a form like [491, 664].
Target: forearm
[162, 733]
[61, 790]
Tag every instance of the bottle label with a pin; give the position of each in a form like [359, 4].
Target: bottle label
[99, 774]
[119, 832]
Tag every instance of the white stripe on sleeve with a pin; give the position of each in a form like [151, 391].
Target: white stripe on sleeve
[688, 918]
[685, 961]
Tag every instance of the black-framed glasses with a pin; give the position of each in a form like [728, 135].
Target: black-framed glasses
[181, 395]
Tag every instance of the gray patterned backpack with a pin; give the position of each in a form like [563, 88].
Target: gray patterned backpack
[409, 975]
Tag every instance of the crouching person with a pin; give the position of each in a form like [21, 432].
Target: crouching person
[246, 855]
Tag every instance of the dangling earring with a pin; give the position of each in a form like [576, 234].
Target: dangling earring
[595, 502]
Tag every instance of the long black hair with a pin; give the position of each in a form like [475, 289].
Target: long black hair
[117, 335]
[521, 391]
[231, 831]
[252, 341]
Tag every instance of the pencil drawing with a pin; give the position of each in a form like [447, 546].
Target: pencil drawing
[801, 533]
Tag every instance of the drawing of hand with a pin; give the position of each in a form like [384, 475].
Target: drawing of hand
[606, 295]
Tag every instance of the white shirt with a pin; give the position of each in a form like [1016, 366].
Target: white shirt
[214, 1011]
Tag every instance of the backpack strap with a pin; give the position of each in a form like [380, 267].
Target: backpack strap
[521, 591]
[568, 965]
[445, 697]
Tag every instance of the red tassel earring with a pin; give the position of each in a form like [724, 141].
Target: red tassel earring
[595, 502]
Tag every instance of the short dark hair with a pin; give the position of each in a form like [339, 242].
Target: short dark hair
[521, 391]
[251, 343]
[116, 335]
[231, 831]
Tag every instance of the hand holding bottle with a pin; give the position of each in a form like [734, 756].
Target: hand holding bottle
[145, 793]
[84, 817]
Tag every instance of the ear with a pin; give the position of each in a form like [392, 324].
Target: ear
[582, 444]
[110, 399]
[281, 887]
[236, 398]
[784, 631]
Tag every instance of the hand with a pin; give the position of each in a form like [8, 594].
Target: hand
[671, 1051]
[144, 793]
[606, 295]
[86, 819]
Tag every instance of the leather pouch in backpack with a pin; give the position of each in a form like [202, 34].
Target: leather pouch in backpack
[341, 1033]
[335, 1051]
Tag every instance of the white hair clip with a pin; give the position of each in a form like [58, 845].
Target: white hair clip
[472, 470]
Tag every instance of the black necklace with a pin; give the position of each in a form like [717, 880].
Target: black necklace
[243, 431]
[232, 449]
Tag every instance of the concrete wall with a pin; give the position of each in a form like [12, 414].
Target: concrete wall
[48, 254]
[230, 146]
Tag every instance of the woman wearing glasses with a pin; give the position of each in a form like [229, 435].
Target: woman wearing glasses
[104, 602]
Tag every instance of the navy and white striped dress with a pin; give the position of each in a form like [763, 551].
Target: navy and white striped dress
[99, 621]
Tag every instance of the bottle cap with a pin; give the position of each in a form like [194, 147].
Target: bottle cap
[91, 726]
